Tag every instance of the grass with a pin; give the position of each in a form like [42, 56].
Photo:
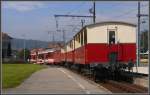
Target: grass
[15, 74]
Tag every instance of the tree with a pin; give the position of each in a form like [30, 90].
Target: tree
[9, 50]
[21, 54]
[144, 41]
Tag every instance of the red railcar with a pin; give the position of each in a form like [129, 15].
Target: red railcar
[49, 56]
[57, 56]
[104, 43]
[42, 56]
[33, 56]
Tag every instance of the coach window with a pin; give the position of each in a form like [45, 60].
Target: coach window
[85, 36]
[71, 44]
[78, 38]
[111, 37]
[75, 38]
[81, 38]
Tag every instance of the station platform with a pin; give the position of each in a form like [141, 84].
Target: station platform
[141, 70]
[56, 80]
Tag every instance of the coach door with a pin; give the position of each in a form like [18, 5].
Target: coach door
[112, 50]
[111, 37]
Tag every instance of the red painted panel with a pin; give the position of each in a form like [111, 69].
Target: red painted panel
[99, 53]
[57, 56]
[79, 55]
[70, 56]
[62, 57]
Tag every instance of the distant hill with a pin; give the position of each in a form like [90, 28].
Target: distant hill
[29, 44]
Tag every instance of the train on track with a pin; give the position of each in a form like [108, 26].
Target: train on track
[105, 47]
[42, 56]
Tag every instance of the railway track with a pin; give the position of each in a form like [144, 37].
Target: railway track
[115, 86]
[123, 87]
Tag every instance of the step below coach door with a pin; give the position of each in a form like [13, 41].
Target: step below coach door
[113, 57]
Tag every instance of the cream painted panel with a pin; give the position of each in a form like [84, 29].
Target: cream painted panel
[123, 33]
[62, 50]
[68, 48]
[77, 44]
[97, 34]
[126, 34]
[72, 44]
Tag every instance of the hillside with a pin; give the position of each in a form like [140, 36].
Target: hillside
[29, 44]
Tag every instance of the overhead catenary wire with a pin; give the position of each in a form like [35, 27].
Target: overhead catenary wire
[81, 5]
[57, 25]
[127, 13]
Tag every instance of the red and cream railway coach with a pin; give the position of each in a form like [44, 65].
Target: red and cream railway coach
[42, 56]
[63, 55]
[33, 56]
[57, 56]
[48, 56]
[70, 51]
[105, 43]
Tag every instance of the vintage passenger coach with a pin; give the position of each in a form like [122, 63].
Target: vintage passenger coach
[103, 43]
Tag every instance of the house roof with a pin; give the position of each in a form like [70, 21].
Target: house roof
[5, 35]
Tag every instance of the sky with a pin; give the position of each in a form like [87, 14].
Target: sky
[35, 19]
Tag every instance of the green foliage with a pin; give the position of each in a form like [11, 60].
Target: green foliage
[21, 54]
[144, 41]
[9, 50]
[15, 74]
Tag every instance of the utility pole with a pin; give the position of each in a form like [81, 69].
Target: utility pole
[49, 35]
[24, 45]
[94, 13]
[64, 40]
[139, 34]
[82, 22]
[52, 37]
[24, 51]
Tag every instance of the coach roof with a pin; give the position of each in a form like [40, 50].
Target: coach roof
[104, 23]
[110, 22]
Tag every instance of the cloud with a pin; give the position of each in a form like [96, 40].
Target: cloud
[23, 6]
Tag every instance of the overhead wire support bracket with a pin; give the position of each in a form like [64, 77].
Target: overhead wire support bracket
[144, 15]
[72, 16]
